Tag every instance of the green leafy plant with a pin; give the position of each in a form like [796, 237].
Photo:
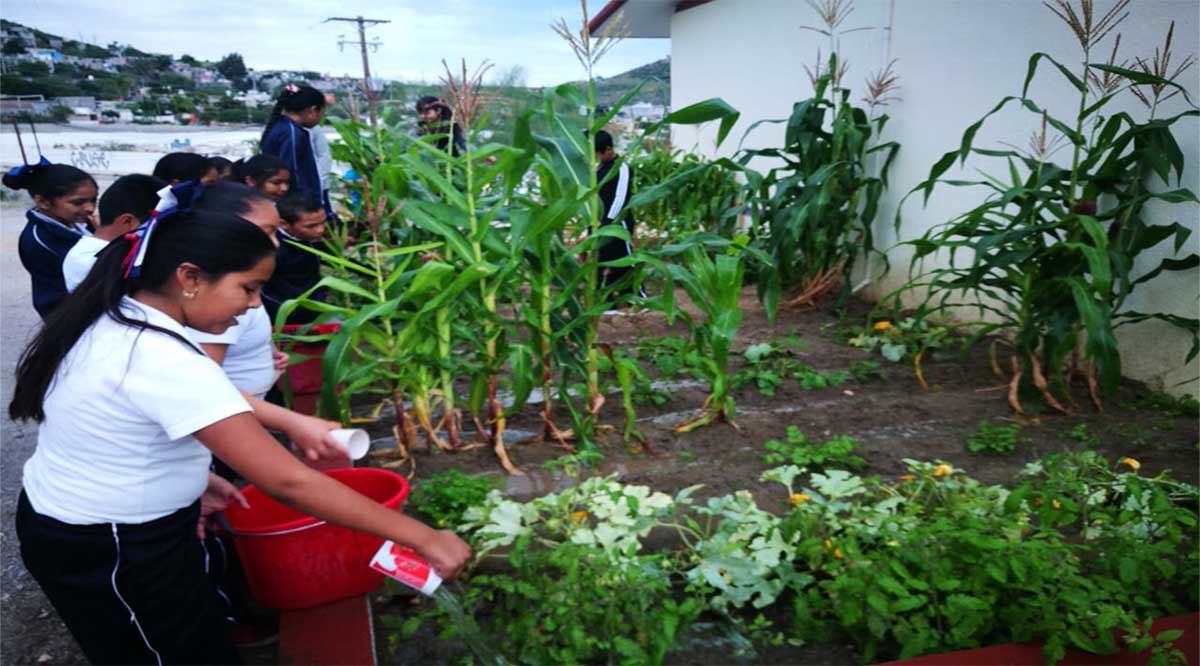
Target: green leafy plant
[714, 285]
[708, 203]
[444, 497]
[994, 438]
[814, 214]
[769, 365]
[865, 371]
[797, 449]
[1051, 253]
[1083, 435]
[941, 562]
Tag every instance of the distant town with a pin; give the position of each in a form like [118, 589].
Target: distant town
[47, 78]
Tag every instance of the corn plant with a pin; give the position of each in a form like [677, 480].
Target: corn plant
[814, 214]
[1051, 252]
[385, 344]
[710, 202]
[714, 286]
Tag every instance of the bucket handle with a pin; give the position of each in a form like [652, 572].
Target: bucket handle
[224, 523]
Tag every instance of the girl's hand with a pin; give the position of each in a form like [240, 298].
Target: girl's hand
[312, 437]
[279, 359]
[446, 553]
[217, 497]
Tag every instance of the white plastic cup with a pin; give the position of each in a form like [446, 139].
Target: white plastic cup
[404, 565]
[356, 442]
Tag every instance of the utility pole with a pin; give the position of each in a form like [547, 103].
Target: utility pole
[363, 44]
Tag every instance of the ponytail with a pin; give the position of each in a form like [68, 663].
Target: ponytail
[294, 98]
[217, 243]
[46, 180]
[276, 114]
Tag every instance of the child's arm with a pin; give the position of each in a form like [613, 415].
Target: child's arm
[309, 434]
[245, 446]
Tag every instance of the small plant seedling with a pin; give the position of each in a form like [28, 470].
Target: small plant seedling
[687, 456]
[865, 371]
[994, 438]
[1181, 406]
[1081, 434]
[798, 450]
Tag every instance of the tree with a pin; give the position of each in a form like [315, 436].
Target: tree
[232, 67]
[13, 47]
[189, 60]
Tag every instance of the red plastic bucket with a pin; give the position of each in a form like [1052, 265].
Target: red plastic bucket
[305, 376]
[293, 560]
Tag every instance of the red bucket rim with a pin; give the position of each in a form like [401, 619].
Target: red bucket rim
[307, 521]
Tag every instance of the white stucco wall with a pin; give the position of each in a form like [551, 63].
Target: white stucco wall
[956, 59]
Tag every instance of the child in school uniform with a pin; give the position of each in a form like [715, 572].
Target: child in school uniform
[265, 173]
[298, 109]
[244, 351]
[130, 413]
[615, 190]
[224, 167]
[125, 206]
[64, 199]
[296, 270]
[176, 168]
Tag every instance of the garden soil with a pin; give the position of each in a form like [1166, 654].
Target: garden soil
[892, 418]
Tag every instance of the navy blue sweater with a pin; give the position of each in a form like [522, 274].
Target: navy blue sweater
[296, 271]
[291, 144]
[43, 245]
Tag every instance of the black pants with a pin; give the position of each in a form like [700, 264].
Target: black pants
[130, 594]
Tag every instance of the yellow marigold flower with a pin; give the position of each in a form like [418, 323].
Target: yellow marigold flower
[828, 544]
[908, 478]
[1133, 464]
[799, 498]
[942, 470]
[883, 325]
[579, 516]
[1057, 504]
[837, 552]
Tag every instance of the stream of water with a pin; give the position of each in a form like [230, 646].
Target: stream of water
[467, 630]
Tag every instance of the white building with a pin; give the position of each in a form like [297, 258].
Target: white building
[956, 59]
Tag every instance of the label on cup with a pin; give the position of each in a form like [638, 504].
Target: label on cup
[404, 565]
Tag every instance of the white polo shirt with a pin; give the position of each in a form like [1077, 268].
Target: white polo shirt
[116, 445]
[248, 360]
[79, 260]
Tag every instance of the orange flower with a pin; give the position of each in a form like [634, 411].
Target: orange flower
[828, 544]
[837, 552]
[908, 478]
[799, 498]
[1133, 464]
[942, 470]
[580, 516]
[883, 325]
[1056, 504]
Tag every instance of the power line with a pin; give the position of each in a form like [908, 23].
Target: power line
[363, 44]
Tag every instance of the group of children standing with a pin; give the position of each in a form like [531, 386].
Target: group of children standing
[154, 357]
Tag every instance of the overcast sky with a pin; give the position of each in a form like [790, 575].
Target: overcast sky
[291, 34]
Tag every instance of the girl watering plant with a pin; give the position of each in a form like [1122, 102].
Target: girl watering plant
[130, 413]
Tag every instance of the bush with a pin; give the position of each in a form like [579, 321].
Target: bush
[442, 498]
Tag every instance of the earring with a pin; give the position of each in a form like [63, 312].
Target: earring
[189, 294]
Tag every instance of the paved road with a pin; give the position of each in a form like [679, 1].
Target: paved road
[30, 631]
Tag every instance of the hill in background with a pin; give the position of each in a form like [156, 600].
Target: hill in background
[654, 77]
